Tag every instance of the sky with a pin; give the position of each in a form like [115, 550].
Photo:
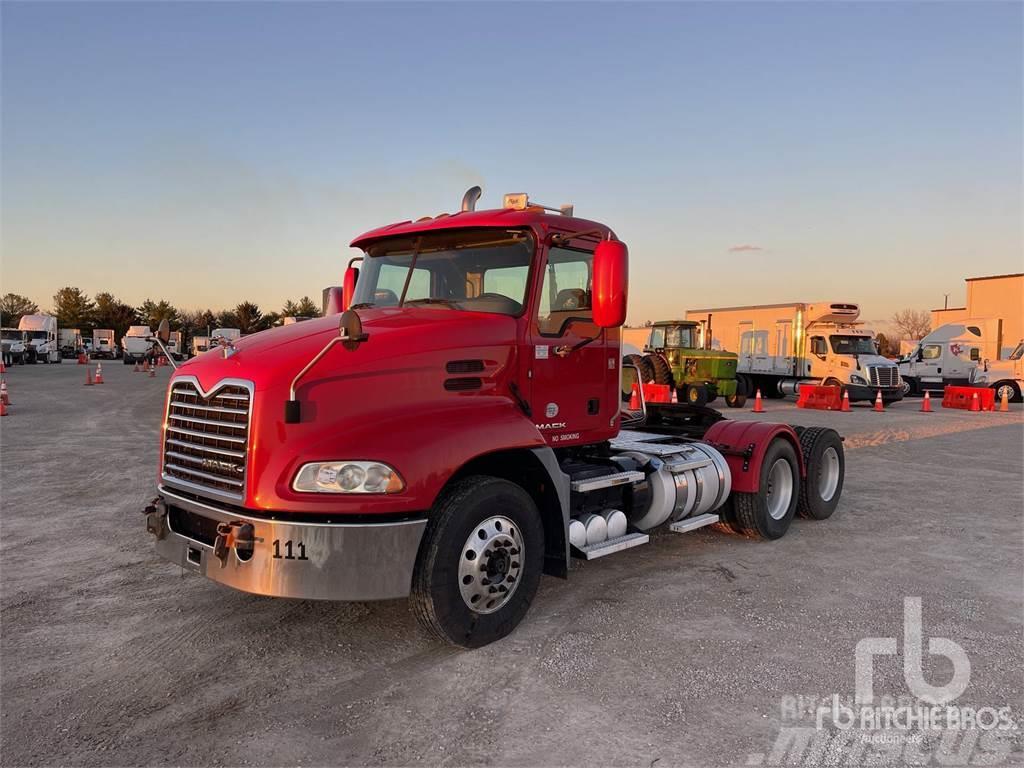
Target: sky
[748, 153]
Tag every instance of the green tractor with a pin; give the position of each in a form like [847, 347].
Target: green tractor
[698, 374]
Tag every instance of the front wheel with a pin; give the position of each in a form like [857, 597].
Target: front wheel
[767, 513]
[1009, 389]
[736, 401]
[697, 395]
[480, 562]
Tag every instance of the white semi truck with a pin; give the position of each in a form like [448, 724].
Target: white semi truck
[137, 343]
[70, 342]
[42, 337]
[13, 346]
[782, 345]
[103, 344]
[1006, 377]
[948, 355]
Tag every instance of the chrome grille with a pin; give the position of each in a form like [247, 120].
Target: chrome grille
[884, 376]
[206, 440]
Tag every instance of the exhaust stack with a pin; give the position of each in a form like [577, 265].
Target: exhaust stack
[469, 199]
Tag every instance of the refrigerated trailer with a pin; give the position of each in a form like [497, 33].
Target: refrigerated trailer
[782, 345]
[463, 426]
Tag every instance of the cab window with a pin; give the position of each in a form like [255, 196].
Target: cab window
[975, 354]
[565, 294]
[931, 352]
[657, 340]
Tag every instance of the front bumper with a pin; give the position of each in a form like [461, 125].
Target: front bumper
[311, 561]
[859, 392]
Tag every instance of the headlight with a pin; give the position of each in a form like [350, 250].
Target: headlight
[855, 379]
[981, 378]
[348, 477]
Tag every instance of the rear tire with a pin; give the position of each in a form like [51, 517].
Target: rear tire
[822, 449]
[452, 596]
[662, 371]
[768, 513]
[641, 362]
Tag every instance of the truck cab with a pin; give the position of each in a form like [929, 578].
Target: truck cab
[137, 344]
[947, 356]
[461, 424]
[13, 346]
[1006, 377]
[42, 337]
[847, 356]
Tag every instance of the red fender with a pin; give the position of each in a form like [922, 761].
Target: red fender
[743, 443]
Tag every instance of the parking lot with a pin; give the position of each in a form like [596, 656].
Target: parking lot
[685, 651]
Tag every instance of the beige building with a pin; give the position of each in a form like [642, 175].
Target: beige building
[997, 296]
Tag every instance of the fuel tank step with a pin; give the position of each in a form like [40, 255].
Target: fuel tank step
[606, 481]
[611, 546]
[693, 523]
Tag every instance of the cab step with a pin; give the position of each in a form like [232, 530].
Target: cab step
[611, 546]
[606, 481]
[693, 523]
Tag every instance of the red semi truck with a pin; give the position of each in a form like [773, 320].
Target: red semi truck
[464, 425]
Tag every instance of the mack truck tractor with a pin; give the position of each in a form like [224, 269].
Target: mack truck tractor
[676, 358]
[458, 425]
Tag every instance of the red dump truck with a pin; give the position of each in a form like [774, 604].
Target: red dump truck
[461, 424]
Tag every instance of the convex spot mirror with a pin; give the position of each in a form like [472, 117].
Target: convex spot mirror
[163, 331]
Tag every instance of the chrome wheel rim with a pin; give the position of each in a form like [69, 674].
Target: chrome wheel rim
[1006, 390]
[780, 489]
[828, 474]
[490, 564]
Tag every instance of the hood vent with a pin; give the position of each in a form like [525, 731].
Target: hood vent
[465, 366]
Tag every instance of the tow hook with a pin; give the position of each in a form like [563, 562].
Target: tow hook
[234, 535]
[156, 517]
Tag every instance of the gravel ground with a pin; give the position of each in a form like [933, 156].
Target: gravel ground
[689, 651]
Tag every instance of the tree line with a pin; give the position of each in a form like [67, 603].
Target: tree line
[74, 308]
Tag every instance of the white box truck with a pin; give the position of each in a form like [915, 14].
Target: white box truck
[42, 337]
[949, 354]
[1004, 376]
[103, 344]
[137, 343]
[781, 345]
[174, 345]
[70, 343]
[200, 344]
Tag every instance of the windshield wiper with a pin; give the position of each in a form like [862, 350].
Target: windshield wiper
[433, 300]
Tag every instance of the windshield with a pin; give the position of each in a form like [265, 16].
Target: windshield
[853, 345]
[33, 335]
[472, 270]
[11, 335]
[1018, 352]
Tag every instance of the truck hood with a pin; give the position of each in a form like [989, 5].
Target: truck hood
[874, 360]
[273, 357]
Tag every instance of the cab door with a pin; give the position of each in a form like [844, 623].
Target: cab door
[574, 368]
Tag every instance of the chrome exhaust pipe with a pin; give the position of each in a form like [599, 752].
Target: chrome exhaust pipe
[469, 199]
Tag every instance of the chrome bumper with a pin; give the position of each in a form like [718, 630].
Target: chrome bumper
[312, 561]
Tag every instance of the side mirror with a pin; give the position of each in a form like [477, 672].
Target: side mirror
[163, 331]
[335, 299]
[611, 283]
[348, 287]
[920, 355]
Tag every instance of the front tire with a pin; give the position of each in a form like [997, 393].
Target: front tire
[768, 513]
[697, 395]
[736, 401]
[825, 461]
[480, 562]
[1012, 393]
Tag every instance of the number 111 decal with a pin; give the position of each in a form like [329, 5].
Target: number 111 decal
[289, 550]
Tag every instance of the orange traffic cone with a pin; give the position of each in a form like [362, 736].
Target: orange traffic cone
[3, 368]
[879, 406]
[152, 371]
[926, 404]
[99, 373]
[845, 405]
[88, 377]
[3, 393]
[674, 398]
[137, 369]
[1004, 401]
[758, 405]
[3, 408]
[975, 403]
[634, 399]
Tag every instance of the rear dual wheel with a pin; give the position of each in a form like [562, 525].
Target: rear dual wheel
[480, 562]
[768, 512]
